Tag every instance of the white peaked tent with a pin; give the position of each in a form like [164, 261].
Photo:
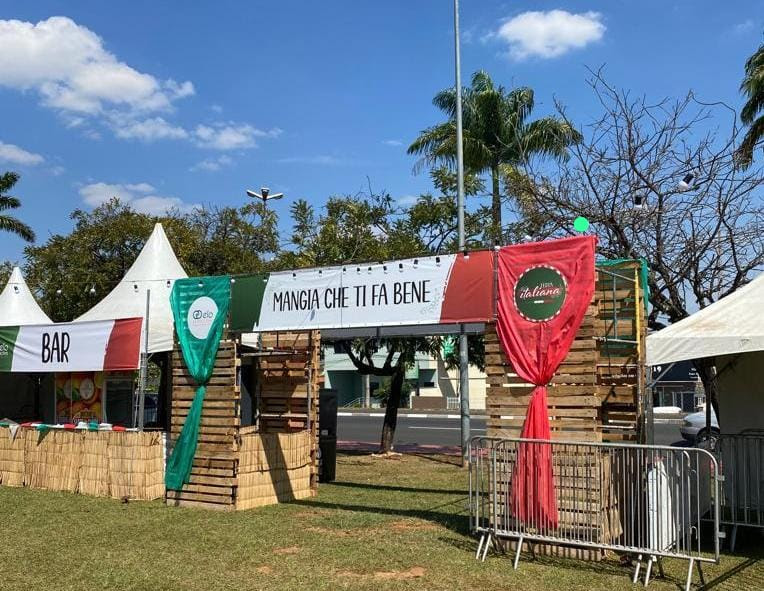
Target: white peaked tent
[155, 269]
[17, 304]
[734, 324]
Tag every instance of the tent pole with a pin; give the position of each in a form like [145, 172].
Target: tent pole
[144, 364]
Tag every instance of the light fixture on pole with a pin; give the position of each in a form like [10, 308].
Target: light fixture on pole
[264, 195]
[464, 383]
[686, 183]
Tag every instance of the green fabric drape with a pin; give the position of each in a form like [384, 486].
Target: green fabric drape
[200, 308]
[644, 271]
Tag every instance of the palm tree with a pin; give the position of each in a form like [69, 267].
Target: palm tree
[9, 223]
[753, 87]
[497, 134]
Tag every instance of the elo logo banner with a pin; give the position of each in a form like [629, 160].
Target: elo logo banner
[201, 315]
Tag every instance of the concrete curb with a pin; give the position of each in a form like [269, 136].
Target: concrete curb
[407, 415]
[413, 415]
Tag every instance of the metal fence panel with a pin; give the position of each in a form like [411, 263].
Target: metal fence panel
[646, 500]
[741, 460]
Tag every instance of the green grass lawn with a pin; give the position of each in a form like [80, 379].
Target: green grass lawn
[385, 524]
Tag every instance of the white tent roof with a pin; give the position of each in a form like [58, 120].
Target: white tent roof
[155, 269]
[17, 304]
[734, 324]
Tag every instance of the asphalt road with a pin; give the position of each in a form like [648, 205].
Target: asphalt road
[443, 431]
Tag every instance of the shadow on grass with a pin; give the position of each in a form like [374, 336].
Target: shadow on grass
[735, 570]
[438, 458]
[401, 489]
[457, 523]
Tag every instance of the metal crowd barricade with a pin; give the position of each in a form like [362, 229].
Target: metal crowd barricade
[643, 500]
[741, 459]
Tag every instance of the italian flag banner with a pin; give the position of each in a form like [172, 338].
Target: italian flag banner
[101, 345]
[446, 289]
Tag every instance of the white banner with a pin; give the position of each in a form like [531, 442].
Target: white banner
[377, 295]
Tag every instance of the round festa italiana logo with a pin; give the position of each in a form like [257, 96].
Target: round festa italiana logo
[540, 293]
[200, 317]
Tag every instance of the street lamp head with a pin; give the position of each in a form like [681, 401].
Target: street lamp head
[265, 191]
[253, 194]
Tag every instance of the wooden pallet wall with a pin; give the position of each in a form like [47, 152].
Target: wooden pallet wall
[288, 380]
[596, 393]
[213, 473]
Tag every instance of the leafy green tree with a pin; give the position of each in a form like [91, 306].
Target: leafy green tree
[8, 223]
[105, 242]
[497, 133]
[752, 114]
[6, 268]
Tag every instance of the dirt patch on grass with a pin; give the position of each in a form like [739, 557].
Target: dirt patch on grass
[287, 550]
[412, 525]
[264, 570]
[415, 572]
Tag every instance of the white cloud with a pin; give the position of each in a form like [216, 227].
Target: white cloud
[745, 27]
[57, 170]
[154, 128]
[549, 34]
[140, 196]
[15, 155]
[231, 136]
[212, 164]
[71, 70]
[393, 143]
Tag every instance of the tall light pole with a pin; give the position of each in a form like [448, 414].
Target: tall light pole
[264, 195]
[464, 383]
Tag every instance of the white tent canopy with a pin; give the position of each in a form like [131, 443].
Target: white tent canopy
[734, 324]
[155, 269]
[17, 304]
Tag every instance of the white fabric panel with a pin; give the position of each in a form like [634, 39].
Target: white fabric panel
[734, 324]
[741, 392]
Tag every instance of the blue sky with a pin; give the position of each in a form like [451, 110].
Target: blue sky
[184, 103]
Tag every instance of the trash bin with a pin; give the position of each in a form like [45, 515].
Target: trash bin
[327, 434]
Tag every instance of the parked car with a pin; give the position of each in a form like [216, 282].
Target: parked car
[694, 430]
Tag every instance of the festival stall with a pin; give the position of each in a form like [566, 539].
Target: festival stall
[68, 446]
[90, 456]
[729, 335]
[23, 396]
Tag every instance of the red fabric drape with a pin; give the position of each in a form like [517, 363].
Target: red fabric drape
[536, 341]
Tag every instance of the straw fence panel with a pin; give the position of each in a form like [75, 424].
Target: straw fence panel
[101, 463]
[136, 465]
[273, 468]
[52, 460]
[11, 458]
[94, 465]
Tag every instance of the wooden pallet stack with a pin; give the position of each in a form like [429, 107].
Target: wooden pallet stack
[288, 380]
[596, 395]
[242, 467]
[213, 473]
